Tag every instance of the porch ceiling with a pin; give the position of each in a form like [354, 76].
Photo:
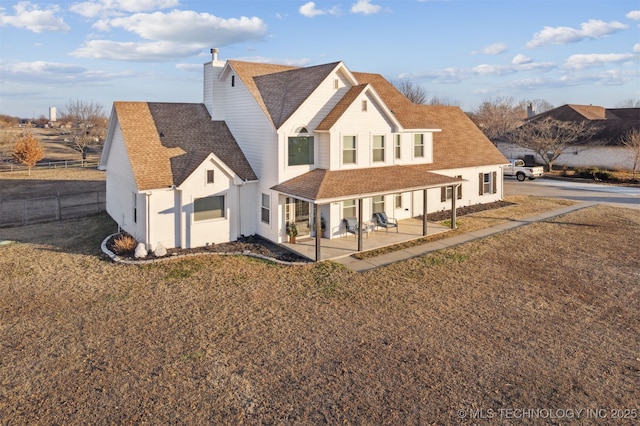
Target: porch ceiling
[323, 186]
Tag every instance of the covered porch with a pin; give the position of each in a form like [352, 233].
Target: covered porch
[322, 187]
[334, 248]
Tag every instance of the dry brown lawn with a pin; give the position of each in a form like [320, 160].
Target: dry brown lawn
[541, 317]
[47, 182]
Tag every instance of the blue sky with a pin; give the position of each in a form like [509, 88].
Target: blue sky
[464, 51]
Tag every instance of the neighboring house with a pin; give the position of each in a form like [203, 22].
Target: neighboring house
[273, 144]
[604, 150]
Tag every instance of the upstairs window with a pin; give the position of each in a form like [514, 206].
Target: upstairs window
[233, 81]
[349, 150]
[364, 106]
[209, 176]
[418, 145]
[397, 147]
[300, 150]
[378, 148]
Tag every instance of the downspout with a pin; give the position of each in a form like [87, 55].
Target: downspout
[239, 213]
[148, 221]
[453, 206]
[180, 225]
[424, 212]
[318, 226]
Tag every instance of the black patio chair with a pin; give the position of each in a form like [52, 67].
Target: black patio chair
[351, 225]
[386, 222]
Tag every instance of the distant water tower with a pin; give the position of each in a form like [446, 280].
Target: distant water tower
[52, 114]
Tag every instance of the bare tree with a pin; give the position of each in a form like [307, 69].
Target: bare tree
[412, 91]
[89, 124]
[418, 95]
[497, 117]
[28, 150]
[631, 139]
[549, 137]
[629, 103]
[539, 105]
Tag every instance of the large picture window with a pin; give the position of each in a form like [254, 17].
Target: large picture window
[207, 208]
[349, 150]
[378, 148]
[300, 150]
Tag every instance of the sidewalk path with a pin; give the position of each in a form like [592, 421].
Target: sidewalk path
[361, 265]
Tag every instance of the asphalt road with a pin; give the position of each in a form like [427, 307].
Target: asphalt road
[590, 192]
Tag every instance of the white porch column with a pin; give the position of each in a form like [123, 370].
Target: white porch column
[359, 224]
[454, 195]
[424, 212]
[318, 229]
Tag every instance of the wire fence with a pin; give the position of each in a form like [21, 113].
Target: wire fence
[65, 164]
[14, 212]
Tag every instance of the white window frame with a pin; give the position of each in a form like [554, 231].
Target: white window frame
[397, 152]
[345, 149]
[210, 176]
[352, 208]
[310, 146]
[377, 204]
[205, 215]
[418, 145]
[265, 209]
[397, 199]
[488, 183]
[378, 149]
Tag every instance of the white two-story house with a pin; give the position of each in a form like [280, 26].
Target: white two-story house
[272, 144]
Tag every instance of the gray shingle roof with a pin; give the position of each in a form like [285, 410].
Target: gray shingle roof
[611, 124]
[166, 142]
[284, 92]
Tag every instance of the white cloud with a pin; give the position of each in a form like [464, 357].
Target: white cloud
[42, 67]
[300, 62]
[176, 34]
[492, 49]
[31, 17]
[309, 10]
[636, 47]
[191, 27]
[514, 67]
[634, 14]
[157, 51]
[101, 8]
[365, 7]
[521, 59]
[592, 29]
[194, 68]
[458, 75]
[581, 61]
[55, 73]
